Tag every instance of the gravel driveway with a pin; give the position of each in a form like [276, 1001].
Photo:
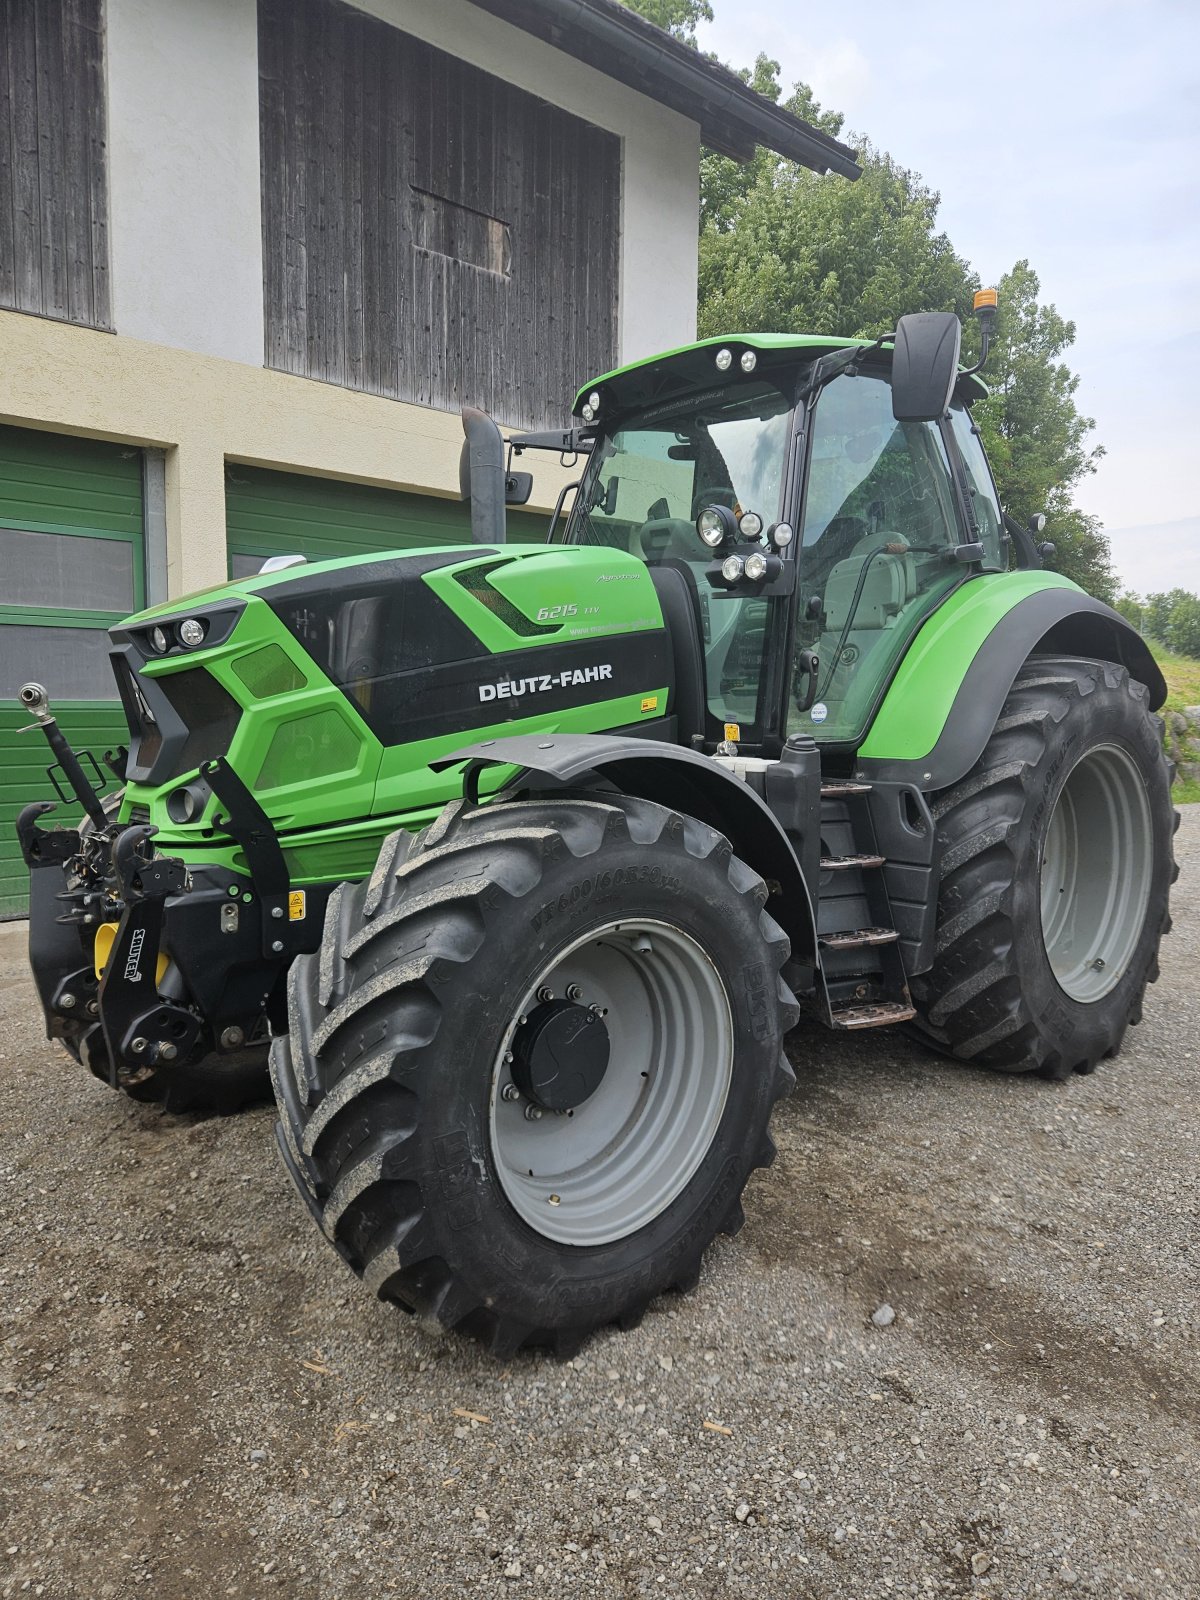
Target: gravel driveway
[196, 1399]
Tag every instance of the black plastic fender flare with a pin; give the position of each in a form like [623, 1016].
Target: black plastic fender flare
[1053, 621]
[669, 776]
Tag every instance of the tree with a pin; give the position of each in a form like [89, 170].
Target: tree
[678, 17]
[1183, 628]
[1132, 608]
[1035, 435]
[1158, 612]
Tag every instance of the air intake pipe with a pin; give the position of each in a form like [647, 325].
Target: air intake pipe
[481, 476]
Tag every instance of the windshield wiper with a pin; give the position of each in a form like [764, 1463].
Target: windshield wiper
[831, 366]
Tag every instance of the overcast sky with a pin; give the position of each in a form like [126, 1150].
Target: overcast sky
[1068, 132]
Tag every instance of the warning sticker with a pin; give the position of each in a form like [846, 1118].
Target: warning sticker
[295, 905]
[733, 732]
[650, 703]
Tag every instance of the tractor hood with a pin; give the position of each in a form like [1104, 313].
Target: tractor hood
[330, 687]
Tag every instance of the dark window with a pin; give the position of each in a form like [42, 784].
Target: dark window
[430, 232]
[53, 182]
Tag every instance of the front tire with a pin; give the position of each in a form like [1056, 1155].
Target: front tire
[452, 1136]
[1056, 867]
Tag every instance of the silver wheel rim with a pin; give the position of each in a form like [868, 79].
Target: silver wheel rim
[1097, 863]
[617, 1161]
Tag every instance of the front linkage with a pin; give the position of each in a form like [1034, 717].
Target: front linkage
[182, 1018]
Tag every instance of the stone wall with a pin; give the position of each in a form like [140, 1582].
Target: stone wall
[1182, 739]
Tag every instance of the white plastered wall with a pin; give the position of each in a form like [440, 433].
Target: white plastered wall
[185, 226]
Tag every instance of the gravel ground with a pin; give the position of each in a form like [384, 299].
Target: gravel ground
[197, 1400]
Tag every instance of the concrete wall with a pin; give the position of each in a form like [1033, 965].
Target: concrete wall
[185, 229]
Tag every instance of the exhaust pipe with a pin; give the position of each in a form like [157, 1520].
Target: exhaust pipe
[481, 476]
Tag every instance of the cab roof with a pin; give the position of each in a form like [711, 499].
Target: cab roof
[677, 373]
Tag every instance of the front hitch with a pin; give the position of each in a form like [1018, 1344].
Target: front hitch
[142, 1029]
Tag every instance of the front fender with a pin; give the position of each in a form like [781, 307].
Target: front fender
[946, 697]
[671, 776]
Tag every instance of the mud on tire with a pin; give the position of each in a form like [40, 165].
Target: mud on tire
[991, 996]
[386, 1084]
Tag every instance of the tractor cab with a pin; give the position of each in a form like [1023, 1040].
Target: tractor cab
[813, 527]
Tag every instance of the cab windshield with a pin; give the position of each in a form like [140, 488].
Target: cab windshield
[644, 487]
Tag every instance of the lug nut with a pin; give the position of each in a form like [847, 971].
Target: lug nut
[533, 1113]
[545, 993]
[510, 1092]
[67, 1002]
[574, 992]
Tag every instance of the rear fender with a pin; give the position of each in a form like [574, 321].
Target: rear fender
[668, 776]
[946, 697]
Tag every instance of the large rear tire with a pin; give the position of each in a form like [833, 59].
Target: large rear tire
[1056, 867]
[532, 1066]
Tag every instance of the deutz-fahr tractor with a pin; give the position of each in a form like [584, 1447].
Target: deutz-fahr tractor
[524, 859]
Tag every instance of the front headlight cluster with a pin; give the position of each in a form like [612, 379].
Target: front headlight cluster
[190, 633]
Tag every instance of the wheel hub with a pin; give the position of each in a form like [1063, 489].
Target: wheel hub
[560, 1055]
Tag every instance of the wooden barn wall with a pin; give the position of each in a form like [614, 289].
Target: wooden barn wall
[371, 141]
[53, 181]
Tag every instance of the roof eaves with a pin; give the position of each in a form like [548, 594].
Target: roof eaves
[618, 42]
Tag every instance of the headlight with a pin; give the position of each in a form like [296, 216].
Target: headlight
[781, 533]
[724, 359]
[191, 632]
[710, 525]
[588, 412]
[749, 361]
[159, 640]
[751, 525]
[732, 568]
[594, 401]
[756, 566]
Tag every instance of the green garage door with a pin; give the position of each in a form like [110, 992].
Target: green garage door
[284, 513]
[72, 559]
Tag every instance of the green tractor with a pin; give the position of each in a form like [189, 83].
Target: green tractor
[525, 859]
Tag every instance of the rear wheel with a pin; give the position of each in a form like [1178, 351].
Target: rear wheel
[531, 1069]
[1056, 871]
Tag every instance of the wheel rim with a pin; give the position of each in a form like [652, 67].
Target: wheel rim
[1097, 862]
[610, 1166]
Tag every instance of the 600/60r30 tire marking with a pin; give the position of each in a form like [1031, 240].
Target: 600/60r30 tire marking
[391, 1084]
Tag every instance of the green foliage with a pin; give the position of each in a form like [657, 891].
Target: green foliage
[1036, 438]
[1131, 608]
[1183, 628]
[678, 17]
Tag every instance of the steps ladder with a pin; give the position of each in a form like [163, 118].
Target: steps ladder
[863, 979]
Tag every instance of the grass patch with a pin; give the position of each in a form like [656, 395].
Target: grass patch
[1183, 689]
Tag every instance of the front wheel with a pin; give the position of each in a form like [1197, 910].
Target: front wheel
[1056, 853]
[532, 1067]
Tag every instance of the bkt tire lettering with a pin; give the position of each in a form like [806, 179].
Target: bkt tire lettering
[569, 677]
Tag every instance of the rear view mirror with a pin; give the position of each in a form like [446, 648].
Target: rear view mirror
[518, 486]
[925, 365]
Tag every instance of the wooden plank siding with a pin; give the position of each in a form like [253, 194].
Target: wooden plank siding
[374, 144]
[53, 173]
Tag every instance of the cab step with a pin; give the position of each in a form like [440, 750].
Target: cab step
[843, 788]
[856, 938]
[880, 1015]
[848, 863]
